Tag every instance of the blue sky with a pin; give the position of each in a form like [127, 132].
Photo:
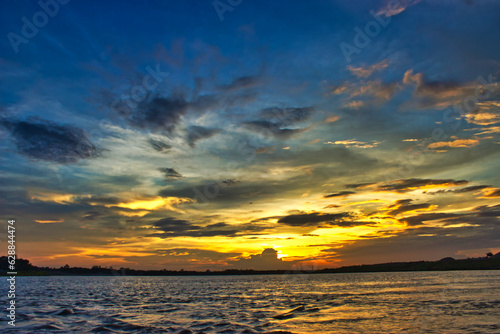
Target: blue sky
[180, 134]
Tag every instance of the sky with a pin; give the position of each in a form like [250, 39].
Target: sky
[249, 134]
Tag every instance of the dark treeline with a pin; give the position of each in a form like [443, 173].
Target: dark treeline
[490, 262]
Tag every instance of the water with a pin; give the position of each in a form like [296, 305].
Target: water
[413, 302]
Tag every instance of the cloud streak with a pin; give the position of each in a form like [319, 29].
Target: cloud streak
[43, 140]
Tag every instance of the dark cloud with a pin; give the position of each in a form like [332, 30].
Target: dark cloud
[483, 215]
[158, 145]
[172, 227]
[92, 215]
[419, 219]
[339, 194]
[402, 186]
[461, 190]
[489, 211]
[406, 185]
[230, 182]
[196, 133]
[175, 225]
[43, 140]
[271, 129]
[405, 205]
[495, 193]
[286, 116]
[359, 185]
[170, 173]
[267, 260]
[315, 219]
[158, 114]
[162, 114]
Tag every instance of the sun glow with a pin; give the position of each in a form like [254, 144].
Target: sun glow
[169, 203]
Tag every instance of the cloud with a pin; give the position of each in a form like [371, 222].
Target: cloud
[494, 193]
[92, 215]
[489, 211]
[441, 94]
[354, 143]
[243, 82]
[54, 221]
[377, 89]
[43, 140]
[230, 182]
[423, 217]
[170, 173]
[355, 105]
[286, 116]
[271, 129]
[159, 145]
[154, 203]
[158, 114]
[359, 185]
[163, 114]
[96, 200]
[339, 194]
[316, 219]
[396, 7]
[489, 130]
[404, 205]
[485, 113]
[461, 190]
[175, 225]
[267, 260]
[455, 143]
[171, 227]
[406, 185]
[366, 71]
[196, 133]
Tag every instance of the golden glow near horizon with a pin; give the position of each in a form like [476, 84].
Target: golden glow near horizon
[292, 244]
[168, 203]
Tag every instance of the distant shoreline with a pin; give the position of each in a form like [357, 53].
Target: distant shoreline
[446, 264]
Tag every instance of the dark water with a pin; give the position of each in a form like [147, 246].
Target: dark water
[418, 302]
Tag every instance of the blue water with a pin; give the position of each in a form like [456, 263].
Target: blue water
[413, 302]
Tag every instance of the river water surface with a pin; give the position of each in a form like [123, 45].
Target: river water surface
[410, 302]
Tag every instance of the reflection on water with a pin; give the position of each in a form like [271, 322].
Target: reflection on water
[418, 302]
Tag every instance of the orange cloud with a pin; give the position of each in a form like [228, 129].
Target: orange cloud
[396, 7]
[354, 104]
[49, 221]
[332, 119]
[354, 143]
[455, 143]
[490, 130]
[492, 193]
[486, 113]
[169, 203]
[365, 72]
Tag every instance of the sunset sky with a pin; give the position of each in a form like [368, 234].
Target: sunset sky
[197, 134]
